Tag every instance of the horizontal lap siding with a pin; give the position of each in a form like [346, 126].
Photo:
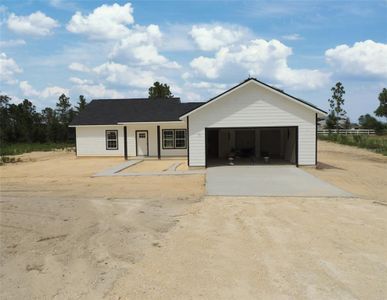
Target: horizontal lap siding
[253, 106]
[152, 136]
[172, 152]
[91, 141]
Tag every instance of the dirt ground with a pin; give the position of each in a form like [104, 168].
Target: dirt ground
[65, 235]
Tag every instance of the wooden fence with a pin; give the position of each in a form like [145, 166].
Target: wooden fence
[347, 131]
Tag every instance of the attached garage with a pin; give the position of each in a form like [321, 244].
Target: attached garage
[250, 123]
[251, 145]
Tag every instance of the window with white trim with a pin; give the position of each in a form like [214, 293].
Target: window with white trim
[111, 139]
[168, 139]
[180, 139]
[174, 138]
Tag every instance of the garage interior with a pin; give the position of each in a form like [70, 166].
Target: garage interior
[251, 146]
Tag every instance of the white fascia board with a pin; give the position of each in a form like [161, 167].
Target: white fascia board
[93, 125]
[150, 123]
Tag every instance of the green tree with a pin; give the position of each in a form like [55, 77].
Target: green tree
[160, 91]
[369, 122]
[330, 122]
[81, 104]
[381, 111]
[50, 120]
[347, 123]
[63, 109]
[336, 103]
[65, 114]
[4, 118]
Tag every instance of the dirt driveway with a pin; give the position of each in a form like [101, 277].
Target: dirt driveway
[65, 235]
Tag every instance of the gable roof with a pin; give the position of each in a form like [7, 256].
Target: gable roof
[114, 111]
[260, 83]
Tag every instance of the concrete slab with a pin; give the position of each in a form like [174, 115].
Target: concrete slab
[268, 181]
[118, 168]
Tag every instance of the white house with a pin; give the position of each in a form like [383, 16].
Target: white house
[250, 121]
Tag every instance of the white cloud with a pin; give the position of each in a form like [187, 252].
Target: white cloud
[8, 69]
[97, 91]
[212, 88]
[35, 24]
[212, 37]
[363, 58]
[141, 47]
[292, 37]
[12, 43]
[262, 58]
[125, 75]
[136, 45]
[79, 67]
[105, 22]
[27, 89]
[51, 91]
[209, 85]
[77, 80]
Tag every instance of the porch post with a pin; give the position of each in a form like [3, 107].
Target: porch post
[158, 142]
[125, 143]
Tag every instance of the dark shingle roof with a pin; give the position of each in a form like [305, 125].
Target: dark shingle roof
[113, 111]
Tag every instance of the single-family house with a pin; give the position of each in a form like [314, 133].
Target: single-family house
[247, 123]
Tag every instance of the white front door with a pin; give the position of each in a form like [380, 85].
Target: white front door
[142, 143]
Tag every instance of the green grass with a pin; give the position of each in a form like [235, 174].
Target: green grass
[20, 148]
[374, 143]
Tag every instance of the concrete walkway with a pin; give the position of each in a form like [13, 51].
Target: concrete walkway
[114, 170]
[171, 170]
[267, 181]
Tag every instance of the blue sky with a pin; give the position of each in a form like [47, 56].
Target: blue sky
[116, 49]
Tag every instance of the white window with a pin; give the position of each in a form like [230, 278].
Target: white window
[180, 139]
[111, 139]
[174, 139]
[168, 139]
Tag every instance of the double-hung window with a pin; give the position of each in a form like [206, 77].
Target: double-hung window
[174, 139]
[111, 139]
[168, 139]
[180, 139]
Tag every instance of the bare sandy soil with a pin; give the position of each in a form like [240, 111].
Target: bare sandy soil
[65, 235]
[355, 170]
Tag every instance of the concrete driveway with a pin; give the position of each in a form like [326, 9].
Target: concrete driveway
[267, 181]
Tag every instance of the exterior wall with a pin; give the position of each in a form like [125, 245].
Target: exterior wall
[152, 138]
[253, 106]
[90, 140]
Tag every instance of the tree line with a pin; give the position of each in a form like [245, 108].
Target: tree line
[22, 123]
[338, 119]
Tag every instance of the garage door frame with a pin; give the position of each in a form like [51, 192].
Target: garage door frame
[206, 129]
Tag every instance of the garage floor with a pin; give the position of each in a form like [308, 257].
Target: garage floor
[267, 181]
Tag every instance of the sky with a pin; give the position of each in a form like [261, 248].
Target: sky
[117, 49]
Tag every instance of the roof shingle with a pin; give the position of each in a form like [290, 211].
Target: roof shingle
[113, 111]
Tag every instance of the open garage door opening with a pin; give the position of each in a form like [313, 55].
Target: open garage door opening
[251, 146]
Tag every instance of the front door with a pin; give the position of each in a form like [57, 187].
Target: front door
[142, 143]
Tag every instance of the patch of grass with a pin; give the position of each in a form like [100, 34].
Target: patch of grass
[20, 148]
[375, 143]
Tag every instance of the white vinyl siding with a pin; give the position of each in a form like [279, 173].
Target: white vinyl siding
[253, 106]
[91, 140]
